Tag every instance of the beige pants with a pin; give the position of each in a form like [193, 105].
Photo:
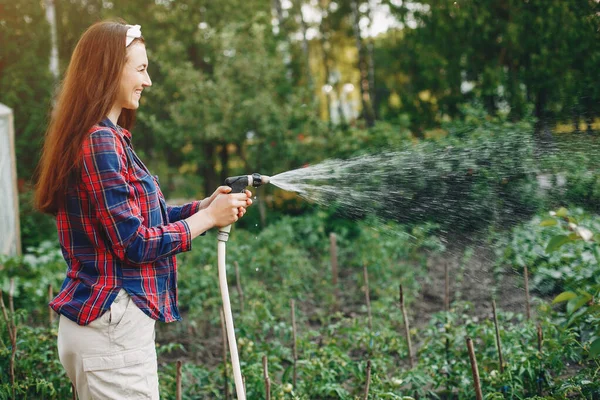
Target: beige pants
[114, 357]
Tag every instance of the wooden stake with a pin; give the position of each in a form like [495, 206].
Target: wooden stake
[11, 305]
[50, 310]
[447, 310]
[238, 285]
[73, 391]
[295, 348]
[447, 288]
[224, 353]
[367, 296]
[9, 318]
[474, 369]
[366, 395]
[540, 337]
[500, 360]
[406, 329]
[266, 376]
[178, 394]
[527, 301]
[11, 293]
[334, 267]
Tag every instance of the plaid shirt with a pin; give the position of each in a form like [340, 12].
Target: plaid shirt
[116, 231]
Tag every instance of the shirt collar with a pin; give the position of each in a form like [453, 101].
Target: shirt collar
[106, 122]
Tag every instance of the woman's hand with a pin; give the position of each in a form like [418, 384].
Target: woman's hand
[206, 202]
[242, 210]
[221, 209]
[224, 190]
[226, 208]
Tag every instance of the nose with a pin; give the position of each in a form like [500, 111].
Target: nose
[147, 80]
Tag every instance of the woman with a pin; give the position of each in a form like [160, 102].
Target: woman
[117, 234]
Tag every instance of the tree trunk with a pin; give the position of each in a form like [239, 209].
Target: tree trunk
[285, 51]
[362, 66]
[276, 4]
[224, 155]
[51, 18]
[589, 119]
[541, 125]
[517, 105]
[490, 104]
[325, 53]
[371, 48]
[305, 49]
[211, 180]
[575, 120]
[342, 114]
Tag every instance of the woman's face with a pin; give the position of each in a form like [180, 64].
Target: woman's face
[134, 77]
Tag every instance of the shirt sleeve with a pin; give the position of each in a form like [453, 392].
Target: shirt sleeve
[104, 175]
[177, 213]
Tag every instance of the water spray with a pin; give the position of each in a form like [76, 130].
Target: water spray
[237, 184]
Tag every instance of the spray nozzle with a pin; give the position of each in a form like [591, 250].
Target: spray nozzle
[239, 183]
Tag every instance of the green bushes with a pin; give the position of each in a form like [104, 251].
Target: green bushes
[38, 372]
[552, 272]
[35, 226]
[578, 171]
[290, 259]
[41, 267]
[444, 362]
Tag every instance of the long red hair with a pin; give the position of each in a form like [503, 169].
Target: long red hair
[87, 94]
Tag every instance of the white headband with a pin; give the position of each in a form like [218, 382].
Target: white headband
[133, 32]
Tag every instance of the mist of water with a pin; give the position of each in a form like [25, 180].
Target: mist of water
[462, 189]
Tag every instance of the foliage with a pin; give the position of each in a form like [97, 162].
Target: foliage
[25, 80]
[461, 51]
[582, 307]
[572, 168]
[235, 91]
[33, 273]
[35, 227]
[289, 259]
[553, 271]
[232, 90]
[445, 363]
[38, 372]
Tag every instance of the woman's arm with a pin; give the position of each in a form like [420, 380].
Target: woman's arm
[177, 213]
[103, 173]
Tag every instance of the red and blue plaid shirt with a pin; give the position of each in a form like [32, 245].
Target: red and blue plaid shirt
[116, 231]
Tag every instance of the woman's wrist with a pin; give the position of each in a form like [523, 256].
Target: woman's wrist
[203, 204]
[200, 222]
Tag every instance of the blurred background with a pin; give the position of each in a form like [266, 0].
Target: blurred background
[242, 86]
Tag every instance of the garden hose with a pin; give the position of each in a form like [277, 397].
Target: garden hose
[238, 184]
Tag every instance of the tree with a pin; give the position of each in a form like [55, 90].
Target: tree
[25, 80]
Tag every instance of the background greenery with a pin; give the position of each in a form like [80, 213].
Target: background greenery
[481, 99]
[239, 85]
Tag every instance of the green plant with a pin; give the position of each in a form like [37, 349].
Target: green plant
[552, 271]
[33, 273]
[38, 372]
[582, 304]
